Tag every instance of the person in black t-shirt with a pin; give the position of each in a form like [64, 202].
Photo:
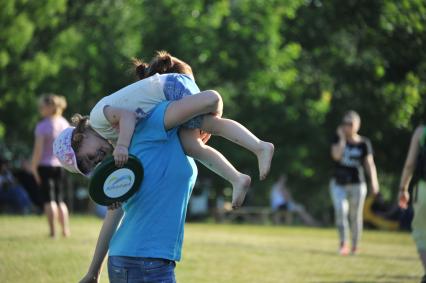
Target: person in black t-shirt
[353, 157]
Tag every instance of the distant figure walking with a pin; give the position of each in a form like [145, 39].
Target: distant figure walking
[46, 168]
[351, 154]
[282, 201]
[416, 163]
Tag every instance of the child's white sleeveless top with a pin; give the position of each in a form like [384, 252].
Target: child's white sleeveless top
[141, 97]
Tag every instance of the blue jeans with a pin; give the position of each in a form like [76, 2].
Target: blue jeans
[124, 269]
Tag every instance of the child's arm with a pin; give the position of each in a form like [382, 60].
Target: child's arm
[125, 121]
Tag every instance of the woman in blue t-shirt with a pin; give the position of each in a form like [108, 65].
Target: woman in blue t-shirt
[352, 154]
[148, 240]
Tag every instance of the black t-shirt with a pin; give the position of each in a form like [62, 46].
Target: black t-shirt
[350, 169]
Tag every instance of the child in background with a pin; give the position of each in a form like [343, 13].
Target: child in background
[46, 168]
[168, 78]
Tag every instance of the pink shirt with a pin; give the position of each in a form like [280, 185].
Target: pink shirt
[49, 129]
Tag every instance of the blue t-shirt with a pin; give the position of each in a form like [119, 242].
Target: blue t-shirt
[154, 217]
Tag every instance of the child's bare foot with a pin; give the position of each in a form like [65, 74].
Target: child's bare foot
[264, 157]
[240, 189]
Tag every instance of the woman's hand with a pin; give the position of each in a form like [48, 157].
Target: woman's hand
[121, 155]
[403, 197]
[340, 133]
[90, 278]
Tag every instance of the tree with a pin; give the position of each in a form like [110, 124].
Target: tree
[286, 69]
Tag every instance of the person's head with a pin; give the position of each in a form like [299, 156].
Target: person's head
[162, 63]
[351, 123]
[51, 105]
[80, 148]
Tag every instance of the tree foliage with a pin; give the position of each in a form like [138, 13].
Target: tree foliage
[286, 69]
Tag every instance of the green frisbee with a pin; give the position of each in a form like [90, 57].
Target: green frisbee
[110, 184]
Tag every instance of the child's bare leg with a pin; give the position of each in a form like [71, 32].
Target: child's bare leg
[239, 134]
[215, 161]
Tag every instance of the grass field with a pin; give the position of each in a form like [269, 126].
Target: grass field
[214, 253]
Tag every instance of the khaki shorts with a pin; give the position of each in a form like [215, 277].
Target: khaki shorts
[419, 220]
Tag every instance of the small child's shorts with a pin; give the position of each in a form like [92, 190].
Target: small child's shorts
[178, 86]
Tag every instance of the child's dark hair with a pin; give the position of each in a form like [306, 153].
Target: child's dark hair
[162, 63]
[82, 125]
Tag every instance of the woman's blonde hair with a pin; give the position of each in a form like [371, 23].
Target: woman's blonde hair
[58, 102]
[353, 115]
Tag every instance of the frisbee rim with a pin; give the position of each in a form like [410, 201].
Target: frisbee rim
[104, 170]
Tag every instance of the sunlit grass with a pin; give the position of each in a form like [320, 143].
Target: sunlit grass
[214, 253]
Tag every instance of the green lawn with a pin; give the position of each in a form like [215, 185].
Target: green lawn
[214, 253]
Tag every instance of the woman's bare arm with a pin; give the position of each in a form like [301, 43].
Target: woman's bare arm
[338, 148]
[37, 150]
[409, 166]
[410, 162]
[370, 167]
[183, 110]
[111, 221]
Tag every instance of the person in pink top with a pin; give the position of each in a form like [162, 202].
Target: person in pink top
[46, 168]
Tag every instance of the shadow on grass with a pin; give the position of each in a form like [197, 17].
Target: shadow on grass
[351, 281]
[362, 255]
[388, 278]
[401, 277]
